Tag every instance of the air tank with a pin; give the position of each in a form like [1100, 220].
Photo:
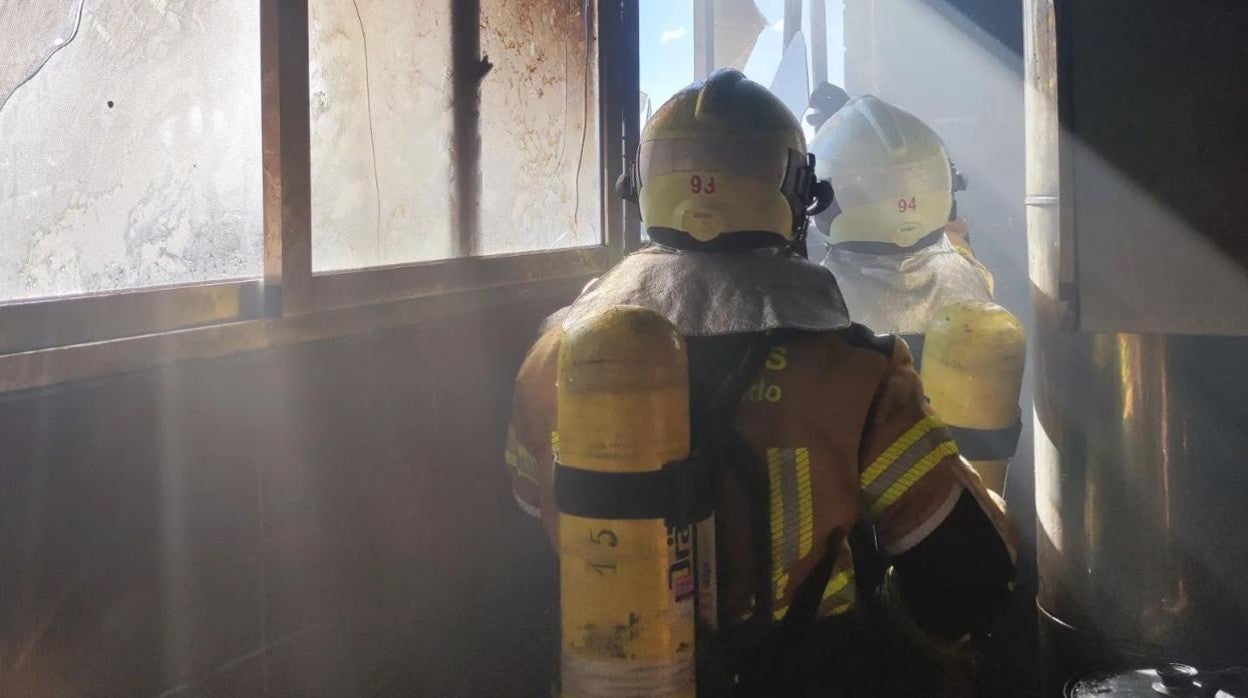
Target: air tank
[1136, 206]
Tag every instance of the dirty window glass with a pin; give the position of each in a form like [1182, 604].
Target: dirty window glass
[129, 144]
[381, 132]
[539, 126]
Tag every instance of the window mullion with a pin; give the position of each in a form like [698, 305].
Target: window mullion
[630, 86]
[286, 143]
[468, 68]
[618, 90]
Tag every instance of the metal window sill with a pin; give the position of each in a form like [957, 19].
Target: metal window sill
[44, 367]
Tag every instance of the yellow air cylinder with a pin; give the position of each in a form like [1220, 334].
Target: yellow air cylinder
[628, 582]
[973, 359]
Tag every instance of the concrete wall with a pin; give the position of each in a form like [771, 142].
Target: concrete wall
[323, 519]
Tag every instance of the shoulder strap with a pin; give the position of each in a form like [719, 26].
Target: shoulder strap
[806, 598]
[720, 371]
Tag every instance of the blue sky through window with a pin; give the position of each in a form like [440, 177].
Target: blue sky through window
[666, 45]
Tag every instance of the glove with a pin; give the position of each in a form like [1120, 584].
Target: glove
[921, 663]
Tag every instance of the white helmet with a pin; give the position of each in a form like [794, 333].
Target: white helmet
[891, 173]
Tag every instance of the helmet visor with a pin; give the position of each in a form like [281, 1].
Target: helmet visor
[763, 161]
[856, 186]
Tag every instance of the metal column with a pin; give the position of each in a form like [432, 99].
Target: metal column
[819, 41]
[703, 38]
[792, 20]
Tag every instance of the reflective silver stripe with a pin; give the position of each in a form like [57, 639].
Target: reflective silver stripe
[791, 504]
[859, 185]
[839, 595]
[788, 486]
[925, 529]
[758, 160]
[902, 465]
[526, 507]
[925, 465]
[896, 449]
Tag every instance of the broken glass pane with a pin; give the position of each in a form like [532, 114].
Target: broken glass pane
[129, 144]
[539, 126]
[381, 130]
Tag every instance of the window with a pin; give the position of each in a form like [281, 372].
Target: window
[381, 131]
[541, 183]
[129, 145]
[155, 173]
[749, 36]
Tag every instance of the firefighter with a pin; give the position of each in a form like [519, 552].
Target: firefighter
[841, 503]
[890, 250]
[904, 262]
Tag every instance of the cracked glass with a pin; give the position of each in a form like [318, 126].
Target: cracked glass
[540, 171]
[381, 132]
[129, 144]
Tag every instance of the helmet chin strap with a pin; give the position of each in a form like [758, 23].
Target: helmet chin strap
[797, 246]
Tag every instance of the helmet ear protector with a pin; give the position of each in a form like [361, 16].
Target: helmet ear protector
[960, 181]
[626, 186]
[807, 194]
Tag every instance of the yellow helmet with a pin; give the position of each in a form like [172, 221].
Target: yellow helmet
[891, 173]
[723, 165]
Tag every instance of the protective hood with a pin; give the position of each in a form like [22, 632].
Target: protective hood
[901, 293]
[717, 293]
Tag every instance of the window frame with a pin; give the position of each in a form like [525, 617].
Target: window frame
[289, 301]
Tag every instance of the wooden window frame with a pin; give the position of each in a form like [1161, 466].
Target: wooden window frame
[49, 341]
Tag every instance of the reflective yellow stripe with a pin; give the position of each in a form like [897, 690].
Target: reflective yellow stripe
[519, 459]
[903, 463]
[837, 583]
[898, 447]
[840, 608]
[839, 588]
[840, 594]
[777, 515]
[921, 468]
[806, 524]
[791, 518]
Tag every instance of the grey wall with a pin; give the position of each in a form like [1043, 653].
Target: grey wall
[330, 518]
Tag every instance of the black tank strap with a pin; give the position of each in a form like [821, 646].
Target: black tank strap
[677, 493]
[720, 371]
[808, 595]
[915, 342]
[987, 444]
